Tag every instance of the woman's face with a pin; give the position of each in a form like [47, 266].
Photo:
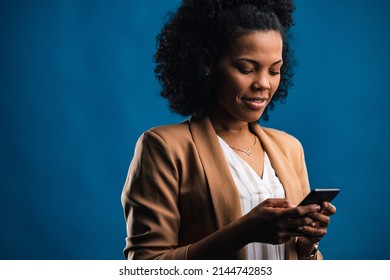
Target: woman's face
[248, 75]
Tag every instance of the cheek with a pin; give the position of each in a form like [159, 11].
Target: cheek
[232, 86]
[275, 84]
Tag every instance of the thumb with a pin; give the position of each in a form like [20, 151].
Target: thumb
[279, 203]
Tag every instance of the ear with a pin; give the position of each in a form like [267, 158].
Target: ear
[208, 61]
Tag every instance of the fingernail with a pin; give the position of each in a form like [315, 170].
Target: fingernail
[326, 204]
[300, 228]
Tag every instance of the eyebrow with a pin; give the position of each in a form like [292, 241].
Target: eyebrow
[256, 62]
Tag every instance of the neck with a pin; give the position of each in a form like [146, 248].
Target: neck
[223, 125]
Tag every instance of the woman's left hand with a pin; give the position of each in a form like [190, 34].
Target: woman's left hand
[317, 229]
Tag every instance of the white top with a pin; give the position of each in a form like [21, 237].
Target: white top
[253, 190]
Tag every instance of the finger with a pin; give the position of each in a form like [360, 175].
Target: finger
[294, 223]
[320, 218]
[312, 232]
[315, 224]
[328, 208]
[300, 211]
[278, 203]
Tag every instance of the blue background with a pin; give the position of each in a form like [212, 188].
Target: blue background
[77, 89]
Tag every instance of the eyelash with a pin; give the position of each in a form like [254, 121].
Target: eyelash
[247, 72]
[274, 73]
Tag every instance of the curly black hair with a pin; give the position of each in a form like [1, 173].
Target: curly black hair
[212, 25]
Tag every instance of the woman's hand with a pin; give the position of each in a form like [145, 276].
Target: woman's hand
[275, 221]
[316, 230]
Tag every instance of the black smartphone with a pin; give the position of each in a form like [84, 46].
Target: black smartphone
[317, 196]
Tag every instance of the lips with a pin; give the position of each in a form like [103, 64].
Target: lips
[255, 103]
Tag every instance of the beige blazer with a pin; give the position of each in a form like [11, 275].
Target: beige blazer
[179, 188]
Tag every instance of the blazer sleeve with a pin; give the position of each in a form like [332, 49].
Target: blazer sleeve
[150, 202]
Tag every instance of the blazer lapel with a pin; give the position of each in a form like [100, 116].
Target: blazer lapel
[282, 166]
[223, 191]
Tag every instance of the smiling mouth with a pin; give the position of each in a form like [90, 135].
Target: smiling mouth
[255, 103]
[257, 100]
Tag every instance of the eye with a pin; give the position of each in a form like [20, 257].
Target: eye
[246, 71]
[274, 73]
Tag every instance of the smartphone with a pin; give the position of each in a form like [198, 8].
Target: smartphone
[317, 196]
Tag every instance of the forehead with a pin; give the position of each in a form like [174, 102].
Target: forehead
[257, 44]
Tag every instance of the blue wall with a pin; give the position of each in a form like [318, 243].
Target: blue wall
[77, 89]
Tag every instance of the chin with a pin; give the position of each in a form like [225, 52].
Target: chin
[255, 117]
[251, 119]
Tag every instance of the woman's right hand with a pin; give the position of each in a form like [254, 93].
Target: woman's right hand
[275, 221]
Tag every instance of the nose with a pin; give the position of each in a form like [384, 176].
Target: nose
[261, 82]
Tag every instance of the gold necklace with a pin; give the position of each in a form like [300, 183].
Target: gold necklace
[248, 151]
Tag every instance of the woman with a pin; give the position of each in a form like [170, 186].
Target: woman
[219, 186]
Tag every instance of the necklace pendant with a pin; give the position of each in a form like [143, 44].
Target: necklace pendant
[247, 152]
